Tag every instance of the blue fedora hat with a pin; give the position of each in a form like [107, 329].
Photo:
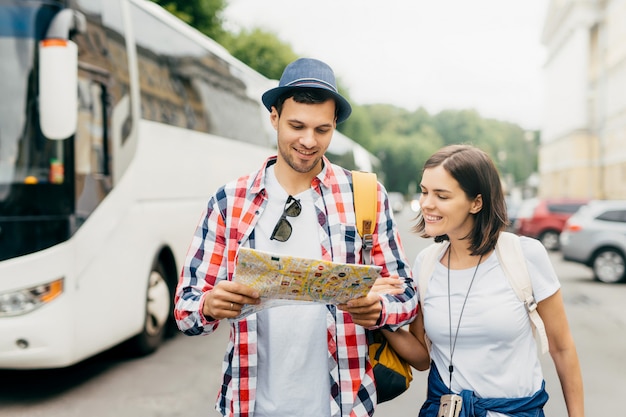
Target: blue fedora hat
[310, 73]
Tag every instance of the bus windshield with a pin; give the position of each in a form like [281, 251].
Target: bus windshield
[34, 182]
[25, 155]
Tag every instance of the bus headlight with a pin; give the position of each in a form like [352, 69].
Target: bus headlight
[29, 299]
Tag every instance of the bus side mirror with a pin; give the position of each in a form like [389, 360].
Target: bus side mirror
[58, 75]
[58, 88]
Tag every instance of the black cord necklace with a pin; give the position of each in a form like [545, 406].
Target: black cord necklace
[456, 334]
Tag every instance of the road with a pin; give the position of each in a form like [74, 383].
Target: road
[182, 378]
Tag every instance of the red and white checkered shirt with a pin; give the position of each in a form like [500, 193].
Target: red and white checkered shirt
[228, 223]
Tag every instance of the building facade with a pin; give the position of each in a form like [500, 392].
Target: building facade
[583, 148]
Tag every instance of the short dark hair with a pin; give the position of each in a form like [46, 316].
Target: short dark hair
[307, 96]
[476, 174]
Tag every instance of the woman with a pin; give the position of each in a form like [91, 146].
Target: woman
[482, 341]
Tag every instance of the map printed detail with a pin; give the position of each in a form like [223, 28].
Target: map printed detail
[282, 279]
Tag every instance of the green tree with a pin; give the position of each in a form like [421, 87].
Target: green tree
[511, 148]
[204, 15]
[459, 126]
[402, 157]
[261, 50]
[359, 127]
[403, 140]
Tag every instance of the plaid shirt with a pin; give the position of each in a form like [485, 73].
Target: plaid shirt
[228, 223]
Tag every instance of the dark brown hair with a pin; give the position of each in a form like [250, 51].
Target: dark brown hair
[476, 174]
[307, 96]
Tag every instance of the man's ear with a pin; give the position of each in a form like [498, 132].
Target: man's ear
[274, 117]
[477, 204]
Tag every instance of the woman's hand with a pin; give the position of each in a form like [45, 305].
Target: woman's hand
[392, 285]
[366, 311]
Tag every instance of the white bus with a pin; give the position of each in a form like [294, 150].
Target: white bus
[100, 191]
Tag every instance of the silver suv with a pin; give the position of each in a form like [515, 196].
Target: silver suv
[596, 236]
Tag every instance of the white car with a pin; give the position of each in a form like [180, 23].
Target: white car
[596, 236]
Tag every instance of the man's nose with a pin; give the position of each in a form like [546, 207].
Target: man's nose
[308, 139]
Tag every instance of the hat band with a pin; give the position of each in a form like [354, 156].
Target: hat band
[312, 82]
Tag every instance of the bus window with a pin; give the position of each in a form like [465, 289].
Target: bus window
[103, 80]
[186, 85]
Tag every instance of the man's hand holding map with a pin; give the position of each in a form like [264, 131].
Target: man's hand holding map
[282, 279]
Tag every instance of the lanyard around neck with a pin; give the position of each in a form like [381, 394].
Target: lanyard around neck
[456, 334]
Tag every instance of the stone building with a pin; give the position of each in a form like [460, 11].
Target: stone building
[583, 149]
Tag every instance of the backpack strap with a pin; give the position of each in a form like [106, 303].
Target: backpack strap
[432, 253]
[513, 262]
[365, 188]
[427, 266]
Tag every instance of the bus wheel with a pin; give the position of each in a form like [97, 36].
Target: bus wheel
[158, 306]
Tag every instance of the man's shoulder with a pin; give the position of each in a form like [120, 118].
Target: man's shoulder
[237, 186]
[338, 174]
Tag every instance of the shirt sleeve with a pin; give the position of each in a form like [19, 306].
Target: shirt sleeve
[388, 252]
[544, 280]
[204, 265]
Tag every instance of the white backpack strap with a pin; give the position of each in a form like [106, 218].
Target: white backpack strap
[513, 262]
[427, 266]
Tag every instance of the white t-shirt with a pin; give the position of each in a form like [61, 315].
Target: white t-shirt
[292, 372]
[495, 353]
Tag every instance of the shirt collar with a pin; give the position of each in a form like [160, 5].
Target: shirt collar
[325, 177]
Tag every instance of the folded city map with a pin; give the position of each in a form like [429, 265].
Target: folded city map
[282, 279]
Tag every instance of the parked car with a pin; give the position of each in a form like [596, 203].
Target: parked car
[544, 219]
[596, 236]
[396, 201]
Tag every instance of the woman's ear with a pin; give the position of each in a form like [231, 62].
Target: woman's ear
[477, 204]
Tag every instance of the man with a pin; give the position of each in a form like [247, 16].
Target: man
[304, 359]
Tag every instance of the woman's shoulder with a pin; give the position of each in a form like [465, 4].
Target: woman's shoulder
[532, 248]
[545, 281]
[432, 253]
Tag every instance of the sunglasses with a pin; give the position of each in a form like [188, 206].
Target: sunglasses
[282, 230]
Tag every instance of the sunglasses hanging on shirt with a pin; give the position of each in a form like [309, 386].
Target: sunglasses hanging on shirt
[282, 230]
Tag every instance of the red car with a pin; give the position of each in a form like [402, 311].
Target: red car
[544, 219]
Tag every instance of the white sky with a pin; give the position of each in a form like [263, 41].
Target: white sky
[436, 54]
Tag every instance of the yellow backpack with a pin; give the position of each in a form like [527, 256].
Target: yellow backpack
[391, 373]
